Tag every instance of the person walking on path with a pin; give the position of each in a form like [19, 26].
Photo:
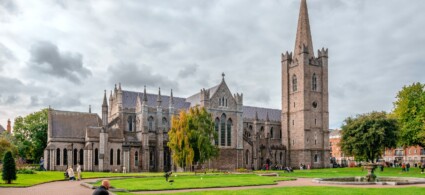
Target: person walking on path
[71, 174]
[78, 172]
[103, 189]
[42, 164]
[407, 167]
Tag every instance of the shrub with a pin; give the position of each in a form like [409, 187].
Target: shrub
[26, 171]
[9, 168]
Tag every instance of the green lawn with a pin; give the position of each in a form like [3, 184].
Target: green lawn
[191, 182]
[347, 172]
[312, 191]
[48, 176]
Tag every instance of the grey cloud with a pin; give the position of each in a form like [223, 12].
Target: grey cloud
[47, 58]
[9, 6]
[134, 75]
[55, 100]
[5, 56]
[9, 100]
[188, 70]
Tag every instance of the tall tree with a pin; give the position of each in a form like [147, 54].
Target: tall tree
[9, 168]
[409, 108]
[31, 134]
[367, 135]
[191, 137]
[6, 144]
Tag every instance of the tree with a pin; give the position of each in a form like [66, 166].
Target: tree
[191, 137]
[366, 136]
[31, 134]
[409, 109]
[9, 168]
[6, 144]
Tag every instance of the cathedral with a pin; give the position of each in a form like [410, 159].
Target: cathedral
[132, 133]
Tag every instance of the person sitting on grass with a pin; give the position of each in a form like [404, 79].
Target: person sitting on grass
[103, 189]
[71, 174]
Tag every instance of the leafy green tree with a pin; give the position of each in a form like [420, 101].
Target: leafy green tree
[9, 168]
[409, 109]
[6, 144]
[31, 134]
[367, 135]
[191, 137]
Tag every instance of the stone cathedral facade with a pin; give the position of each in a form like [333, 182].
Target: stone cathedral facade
[133, 129]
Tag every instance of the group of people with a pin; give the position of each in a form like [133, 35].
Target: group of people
[69, 173]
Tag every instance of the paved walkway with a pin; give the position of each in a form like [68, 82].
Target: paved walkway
[58, 187]
[74, 187]
[298, 182]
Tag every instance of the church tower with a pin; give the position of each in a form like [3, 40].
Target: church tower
[305, 113]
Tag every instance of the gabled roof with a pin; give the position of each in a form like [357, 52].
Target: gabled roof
[67, 124]
[196, 98]
[2, 129]
[129, 99]
[249, 113]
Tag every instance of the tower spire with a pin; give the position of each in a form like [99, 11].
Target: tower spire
[105, 103]
[303, 37]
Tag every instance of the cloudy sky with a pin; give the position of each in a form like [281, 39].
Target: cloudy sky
[65, 53]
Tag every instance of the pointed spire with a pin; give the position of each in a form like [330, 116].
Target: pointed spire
[89, 108]
[223, 75]
[138, 101]
[119, 87]
[9, 126]
[303, 38]
[110, 96]
[256, 115]
[159, 98]
[145, 96]
[171, 98]
[105, 103]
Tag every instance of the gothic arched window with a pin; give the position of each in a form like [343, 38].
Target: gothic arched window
[246, 156]
[111, 157]
[65, 157]
[75, 154]
[150, 123]
[136, 158]
[130, 123]
[229, 132]
[118, 157]
[294, 83]
[314, 82]
[271, 132]
[81, 157]
[223, 130]
[216, 125]
[316, 158]
[281, 155]
[96, 156]
[58, 156]
[165, 124]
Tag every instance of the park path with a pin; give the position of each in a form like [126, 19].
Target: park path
[298, 182]
[74, 187]
[57, 188]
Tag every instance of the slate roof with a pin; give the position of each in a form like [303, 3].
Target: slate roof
[196, 98]
[249, 113]
[2, 129]
[67, 124]
[130, 99]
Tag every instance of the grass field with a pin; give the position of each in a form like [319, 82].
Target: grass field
[48, 176]
[311, 191]
[193, 182]
[347, 172]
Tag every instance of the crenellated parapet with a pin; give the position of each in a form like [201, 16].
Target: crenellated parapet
[322, 53]
[287, 57]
